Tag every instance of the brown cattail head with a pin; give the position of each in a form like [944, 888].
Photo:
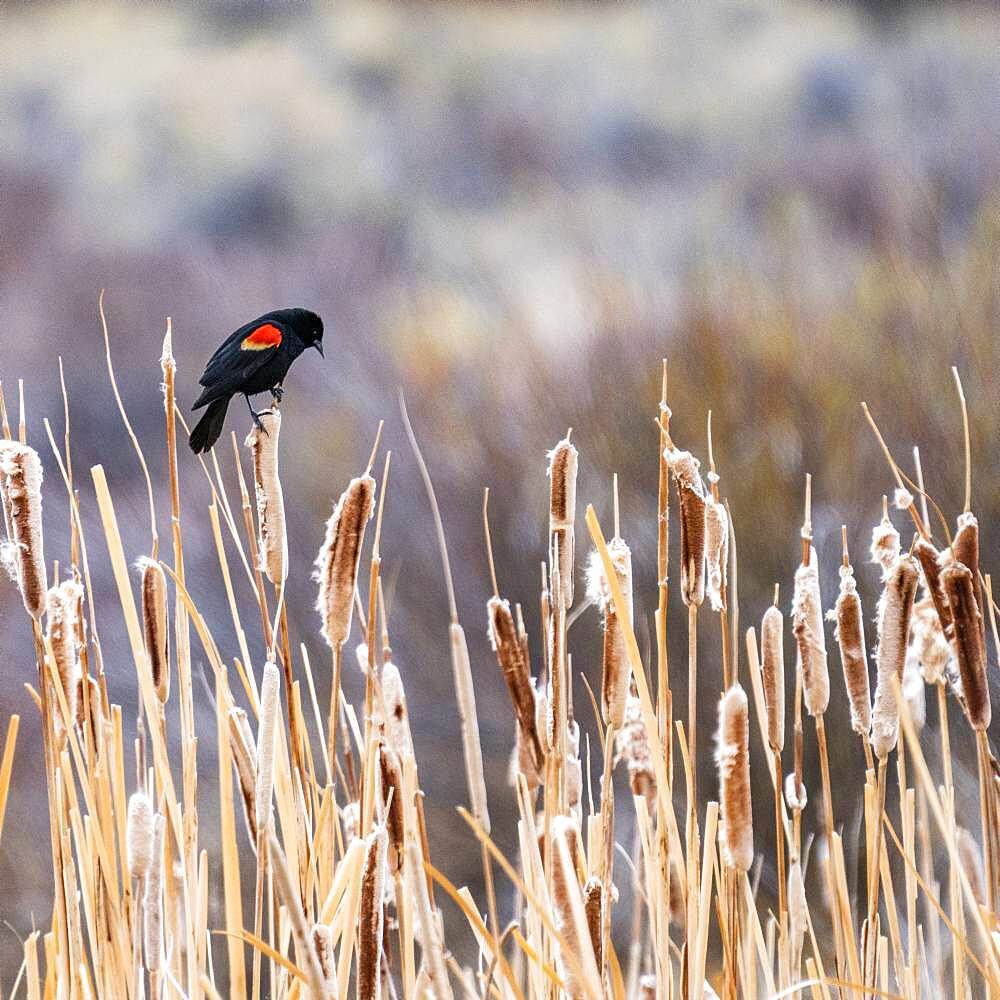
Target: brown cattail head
[23, 553]
[392, 784]
[965, 549]
[773, 669]
[244, 753]
[522, 761]
[263, 444]
[930, 562]
[139, 835]
[895, 608]
[616, 676]
[516, 671]
[732, 757]
[269, 709]
[88, 700]
[156, 631]
[153, 900]
[885, 545]
[62, 620]
[339, 558]
[370, 916]
[850, 636]
[970, 649]
[562, 513]
[716, 552]
[593, 907]
[322, 944]
[691, 494]
[632, 745]
[568, 911]
[807, 624]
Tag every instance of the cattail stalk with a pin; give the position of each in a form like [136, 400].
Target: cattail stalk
[733, 763]
[562, 513]
[21, 474]
[156, 632]
[263, 444]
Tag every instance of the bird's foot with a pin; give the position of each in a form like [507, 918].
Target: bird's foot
[277, 393]
[255, 416]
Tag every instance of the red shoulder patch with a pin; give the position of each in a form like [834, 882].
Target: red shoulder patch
[262, 338]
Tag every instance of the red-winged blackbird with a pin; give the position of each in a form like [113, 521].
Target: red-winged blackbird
[254, 359]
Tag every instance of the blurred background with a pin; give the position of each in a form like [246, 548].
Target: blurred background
[511, 212]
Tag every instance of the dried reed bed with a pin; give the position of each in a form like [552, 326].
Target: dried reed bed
[348, 895]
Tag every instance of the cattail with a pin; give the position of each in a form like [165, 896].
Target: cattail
[716, 552]
[139, 835]
[807, 624]
[397, 717]
[370, 916]
[23, 554]
[691, 493]
[965, 547]
[263, 444]
[88, 700]
[885, 545]
[392, 782]
[562, 512]
[471, 747]
[593, 908]
[269, 708]
[153, 899]
[522, 761]
[970, 650]
[929, 644]
[322, 943]
[351, 817]
[773, 669]
[969, 858]
[632, 745]
[796, 796]
[732, 758]
[798, 910]
[895, 608]
[339, 558]
[930, 562]
[568, 911]
[154, 625]
[244, 754]
[62, 609]
[573, 772]
[516, 672]
[616, 676]
[850, 636]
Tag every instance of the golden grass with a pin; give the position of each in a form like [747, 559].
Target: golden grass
[347, 896]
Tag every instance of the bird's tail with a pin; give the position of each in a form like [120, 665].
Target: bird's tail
[207, 431]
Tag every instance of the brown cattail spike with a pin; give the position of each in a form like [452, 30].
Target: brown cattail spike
[515, 669]
[850, 636]
[716, 552]
[733, 761]
[370, 920]
[392, 785]
[773, 669]
[263, 444]
[562, 512]
[807, 624]
[959, 588]
[62, 619]
[23, 554]
[156, 632]
[616, 673]
[339, 558]
[930, 562]
[691, 493]
[895, 609]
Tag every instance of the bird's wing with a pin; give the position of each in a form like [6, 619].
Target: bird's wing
[241, 354]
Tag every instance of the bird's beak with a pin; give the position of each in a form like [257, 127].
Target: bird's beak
[319, 347]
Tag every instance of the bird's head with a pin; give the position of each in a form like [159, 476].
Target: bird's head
[309, 328]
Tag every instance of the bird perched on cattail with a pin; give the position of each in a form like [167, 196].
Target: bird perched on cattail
[254, 359]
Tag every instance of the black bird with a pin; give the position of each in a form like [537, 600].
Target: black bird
[254, 359]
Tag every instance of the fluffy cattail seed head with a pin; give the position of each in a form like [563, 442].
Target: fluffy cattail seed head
[339, 558]
[716, 552]
[885, 545]
[155, 629]
[562, 512]
[24, 555]
[263, 444]
[616, 676]
[850, 636]
[807, 624]
[928, 641]
[691, 493]
[732, 757]
[960, 590]
[62, 618]
[632, 745]
[139, 835]
[895, 608]
[515, 669]
[796, 796]
[269, 709]
[773, 670]
[322, 943]
[153, 900]
[397, 720]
